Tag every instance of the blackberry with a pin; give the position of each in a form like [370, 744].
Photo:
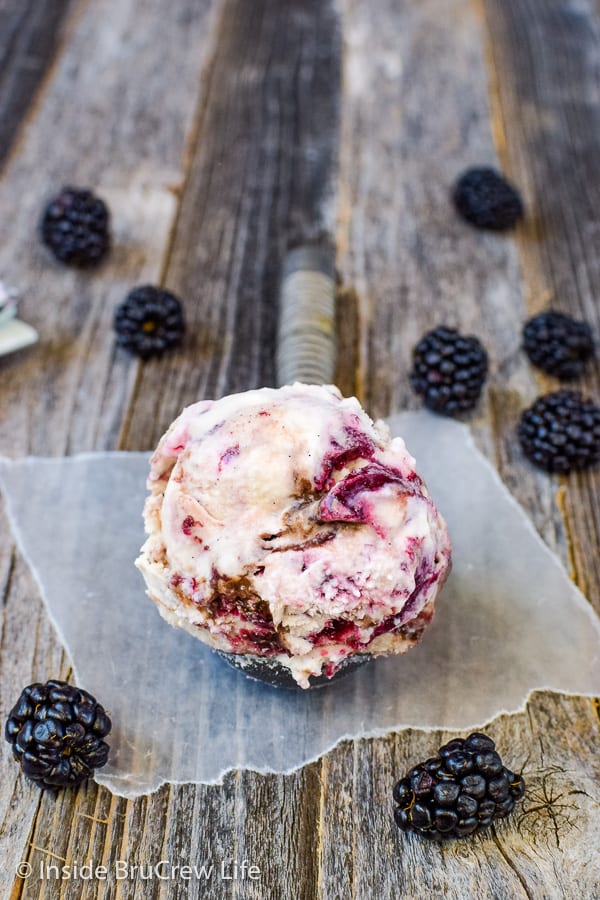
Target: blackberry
[558, 344]
[149, 321]
[485, 199]
[56, 731]
[76, 227]
[561, 432]
[461, 790]
[449, 370]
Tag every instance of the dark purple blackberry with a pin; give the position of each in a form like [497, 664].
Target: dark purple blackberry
[558, 344]
[484, 198]
[56, 731]
[149, 321]
[561, 432]
[76, 227]
[461, 790]
[449, 371]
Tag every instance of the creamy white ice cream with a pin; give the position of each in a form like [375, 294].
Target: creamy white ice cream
[285, 523]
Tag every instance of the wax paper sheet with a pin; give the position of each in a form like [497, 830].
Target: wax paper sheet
[508, 621]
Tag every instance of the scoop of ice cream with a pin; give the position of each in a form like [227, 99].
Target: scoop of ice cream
[286, 524]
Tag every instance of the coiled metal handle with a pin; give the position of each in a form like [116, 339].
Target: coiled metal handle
[306, 333]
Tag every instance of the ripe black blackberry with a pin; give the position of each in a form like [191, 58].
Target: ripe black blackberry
[558, 344]
[449, 370]
[461, 790]
[56, 731]
[76, 227]
[485, 199]
[149, 321]
[561, 432]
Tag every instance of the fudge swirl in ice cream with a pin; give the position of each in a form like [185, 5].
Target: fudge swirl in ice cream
[286, 524]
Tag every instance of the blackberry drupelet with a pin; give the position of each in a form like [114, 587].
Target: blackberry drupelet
[485, 199]
[558, 344]
[76, 227]
[449, 370]
[561, 432]
[56, 731]
[461, 790]
[149, 321]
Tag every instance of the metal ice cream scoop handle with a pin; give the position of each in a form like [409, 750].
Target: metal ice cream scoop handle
[306, 333]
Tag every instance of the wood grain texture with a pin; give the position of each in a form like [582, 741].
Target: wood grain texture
[411, 260]
[261, 178]
[535, 854]
[251, 110]
[112, 120]
[30, 31]
[544, 59]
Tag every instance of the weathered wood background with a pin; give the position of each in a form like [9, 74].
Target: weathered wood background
[219, 131]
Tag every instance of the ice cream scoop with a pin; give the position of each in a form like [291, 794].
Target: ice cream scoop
[286, 527]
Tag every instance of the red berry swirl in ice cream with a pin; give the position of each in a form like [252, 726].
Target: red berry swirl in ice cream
[285, 523]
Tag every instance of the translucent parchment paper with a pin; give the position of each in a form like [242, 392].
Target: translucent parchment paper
[508, 621]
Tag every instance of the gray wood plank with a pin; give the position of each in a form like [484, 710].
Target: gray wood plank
[544, 58]
[537, 853]
[30, 33]
[121, 123]
[262, 178]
